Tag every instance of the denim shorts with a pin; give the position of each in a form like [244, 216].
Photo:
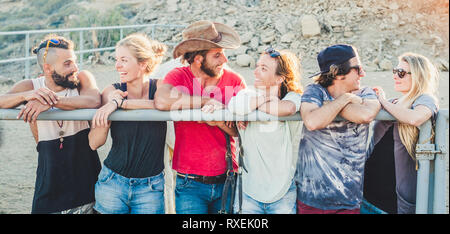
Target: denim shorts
[116, 194]
[192, 197]
[285, 205]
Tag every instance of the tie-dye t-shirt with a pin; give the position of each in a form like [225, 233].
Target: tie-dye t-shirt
[330, 166]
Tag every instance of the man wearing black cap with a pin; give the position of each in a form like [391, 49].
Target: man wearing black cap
[332, 154]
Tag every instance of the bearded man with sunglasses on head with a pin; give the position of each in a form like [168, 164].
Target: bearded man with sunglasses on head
[332, 154]
[67, 167]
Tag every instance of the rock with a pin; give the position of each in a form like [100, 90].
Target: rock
[280, 25]
[310, 26]
[231, 11]
[268, 37]
[241, 50]
[348, 34]
[261, 49]
[395, 18]
[396, 42]
[370, 67]
[296, 44]
[386, 65]
[6, 81]
[254, 43]
[172, 5]
[245, 60]
[393, 6]
[246, 37]
[338, 29]
[289, 37]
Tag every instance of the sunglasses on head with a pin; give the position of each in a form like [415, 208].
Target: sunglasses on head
[272, 52]
[400, 72]
[52, 41]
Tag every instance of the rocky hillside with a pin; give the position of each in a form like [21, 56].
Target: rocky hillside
[380, 29]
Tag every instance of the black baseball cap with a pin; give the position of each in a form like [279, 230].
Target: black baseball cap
[336, 54]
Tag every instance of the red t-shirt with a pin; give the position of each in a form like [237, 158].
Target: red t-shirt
[199, 148]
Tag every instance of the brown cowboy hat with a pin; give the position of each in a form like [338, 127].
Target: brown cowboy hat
[205, 35]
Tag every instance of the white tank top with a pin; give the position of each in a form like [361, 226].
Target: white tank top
[50, 130]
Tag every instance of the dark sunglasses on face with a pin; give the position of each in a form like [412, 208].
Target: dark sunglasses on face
[400, 72]
[358, 68]
[272, 52]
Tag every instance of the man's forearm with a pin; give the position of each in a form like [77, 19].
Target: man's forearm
[11, 100]
[78, 102]
[182, 101]
[319, 118]
[361, 113]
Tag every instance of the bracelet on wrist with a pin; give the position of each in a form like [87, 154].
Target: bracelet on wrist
[121, 103]
[117, 104]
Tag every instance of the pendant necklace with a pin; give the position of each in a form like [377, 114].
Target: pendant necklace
[61, 133]
[60, 125]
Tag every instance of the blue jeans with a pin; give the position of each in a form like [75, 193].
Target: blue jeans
[192, 197]
[116, 194]
[285, 205]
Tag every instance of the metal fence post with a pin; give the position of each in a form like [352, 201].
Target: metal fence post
[27, 54]
[440, 164]
[423, 173]
[153, 32]
[80, 66]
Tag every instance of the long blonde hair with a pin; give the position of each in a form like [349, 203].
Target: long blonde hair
[425, 79]
[144, 49]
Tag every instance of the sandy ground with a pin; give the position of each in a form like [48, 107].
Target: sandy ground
[18, 156]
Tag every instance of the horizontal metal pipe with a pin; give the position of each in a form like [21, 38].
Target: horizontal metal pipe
[27, 58]
[76, 52]
[90, 28]
[155, 115]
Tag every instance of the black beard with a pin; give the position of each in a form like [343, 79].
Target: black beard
[64, 81]
[207, 70]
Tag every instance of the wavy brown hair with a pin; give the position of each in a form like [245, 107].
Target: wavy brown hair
[288, 66]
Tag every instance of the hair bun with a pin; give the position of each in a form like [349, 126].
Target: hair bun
[159, 48]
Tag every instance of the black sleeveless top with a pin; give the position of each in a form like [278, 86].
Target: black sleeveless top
[137, 146]
[379, 175]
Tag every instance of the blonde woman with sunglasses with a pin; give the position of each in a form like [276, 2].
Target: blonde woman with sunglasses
[416, 78]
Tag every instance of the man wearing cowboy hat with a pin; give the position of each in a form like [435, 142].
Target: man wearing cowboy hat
[200, 147]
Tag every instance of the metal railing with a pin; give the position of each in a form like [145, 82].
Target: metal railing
[81, 51]
[431, 184]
